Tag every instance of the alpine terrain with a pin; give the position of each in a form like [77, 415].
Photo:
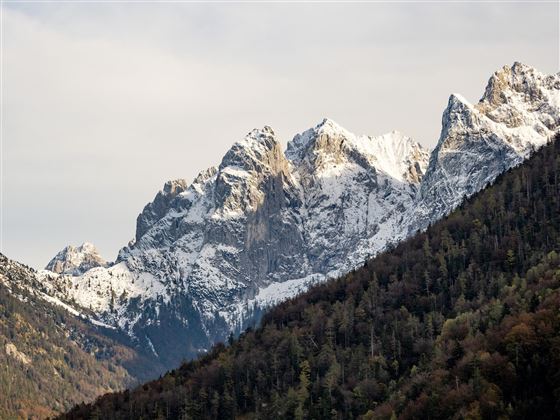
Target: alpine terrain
[53, 357]
[265, 224]
[461, 321]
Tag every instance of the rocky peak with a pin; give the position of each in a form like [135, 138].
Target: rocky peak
[459, 112]
[324, 142]
[258, 150]
[155, 210]
[174, 187]
[249, 163]
[328, 145]
[76, 260]
[515, 91]
[520, 105]
[517, 78]
[205, 175]
[458, 115]
[263, 225]
[518, 113]
[328, 126]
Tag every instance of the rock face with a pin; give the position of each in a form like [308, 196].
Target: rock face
[76, 260]
[354, 190]
[264, 224]
[518, 113]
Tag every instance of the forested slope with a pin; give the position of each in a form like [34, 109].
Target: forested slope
[461, 321]
[51, 359]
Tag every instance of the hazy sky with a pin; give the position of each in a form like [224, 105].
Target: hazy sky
[102, 103]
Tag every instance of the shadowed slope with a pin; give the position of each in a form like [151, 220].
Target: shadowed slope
[461, 320]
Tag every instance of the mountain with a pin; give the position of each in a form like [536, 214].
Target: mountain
[53, 358]
[459, 321]
[261, 226]
[76, 260]
[209, 257]
[519, 112]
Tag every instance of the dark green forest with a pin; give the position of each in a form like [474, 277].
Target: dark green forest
[461, 321]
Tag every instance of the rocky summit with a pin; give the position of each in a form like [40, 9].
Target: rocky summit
[266, 223]
[76, 260]
[519, 112]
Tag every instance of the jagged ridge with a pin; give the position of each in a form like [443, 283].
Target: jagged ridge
[264, 224]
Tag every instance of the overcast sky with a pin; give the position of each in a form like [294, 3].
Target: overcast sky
[103, 103]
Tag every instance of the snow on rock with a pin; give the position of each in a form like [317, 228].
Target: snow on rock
[15, 276]
[266, 224]
[519, 112]
[262, 226]
[76, 260]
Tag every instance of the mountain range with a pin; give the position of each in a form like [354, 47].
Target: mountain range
[265, 224]
[210, 257]
[461, 321]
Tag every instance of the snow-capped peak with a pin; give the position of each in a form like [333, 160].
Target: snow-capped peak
[306, 143]
[329, 126]
[256, 149]
[518, 79]
[258, 138]
[76, 260]
[518, 113]
[520, 104]
[397, 155]
[258, 156]
[327, 144]
[265, 225]
[458, 100]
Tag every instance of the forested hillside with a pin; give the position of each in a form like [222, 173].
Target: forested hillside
[461, 321]
[51, 359]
